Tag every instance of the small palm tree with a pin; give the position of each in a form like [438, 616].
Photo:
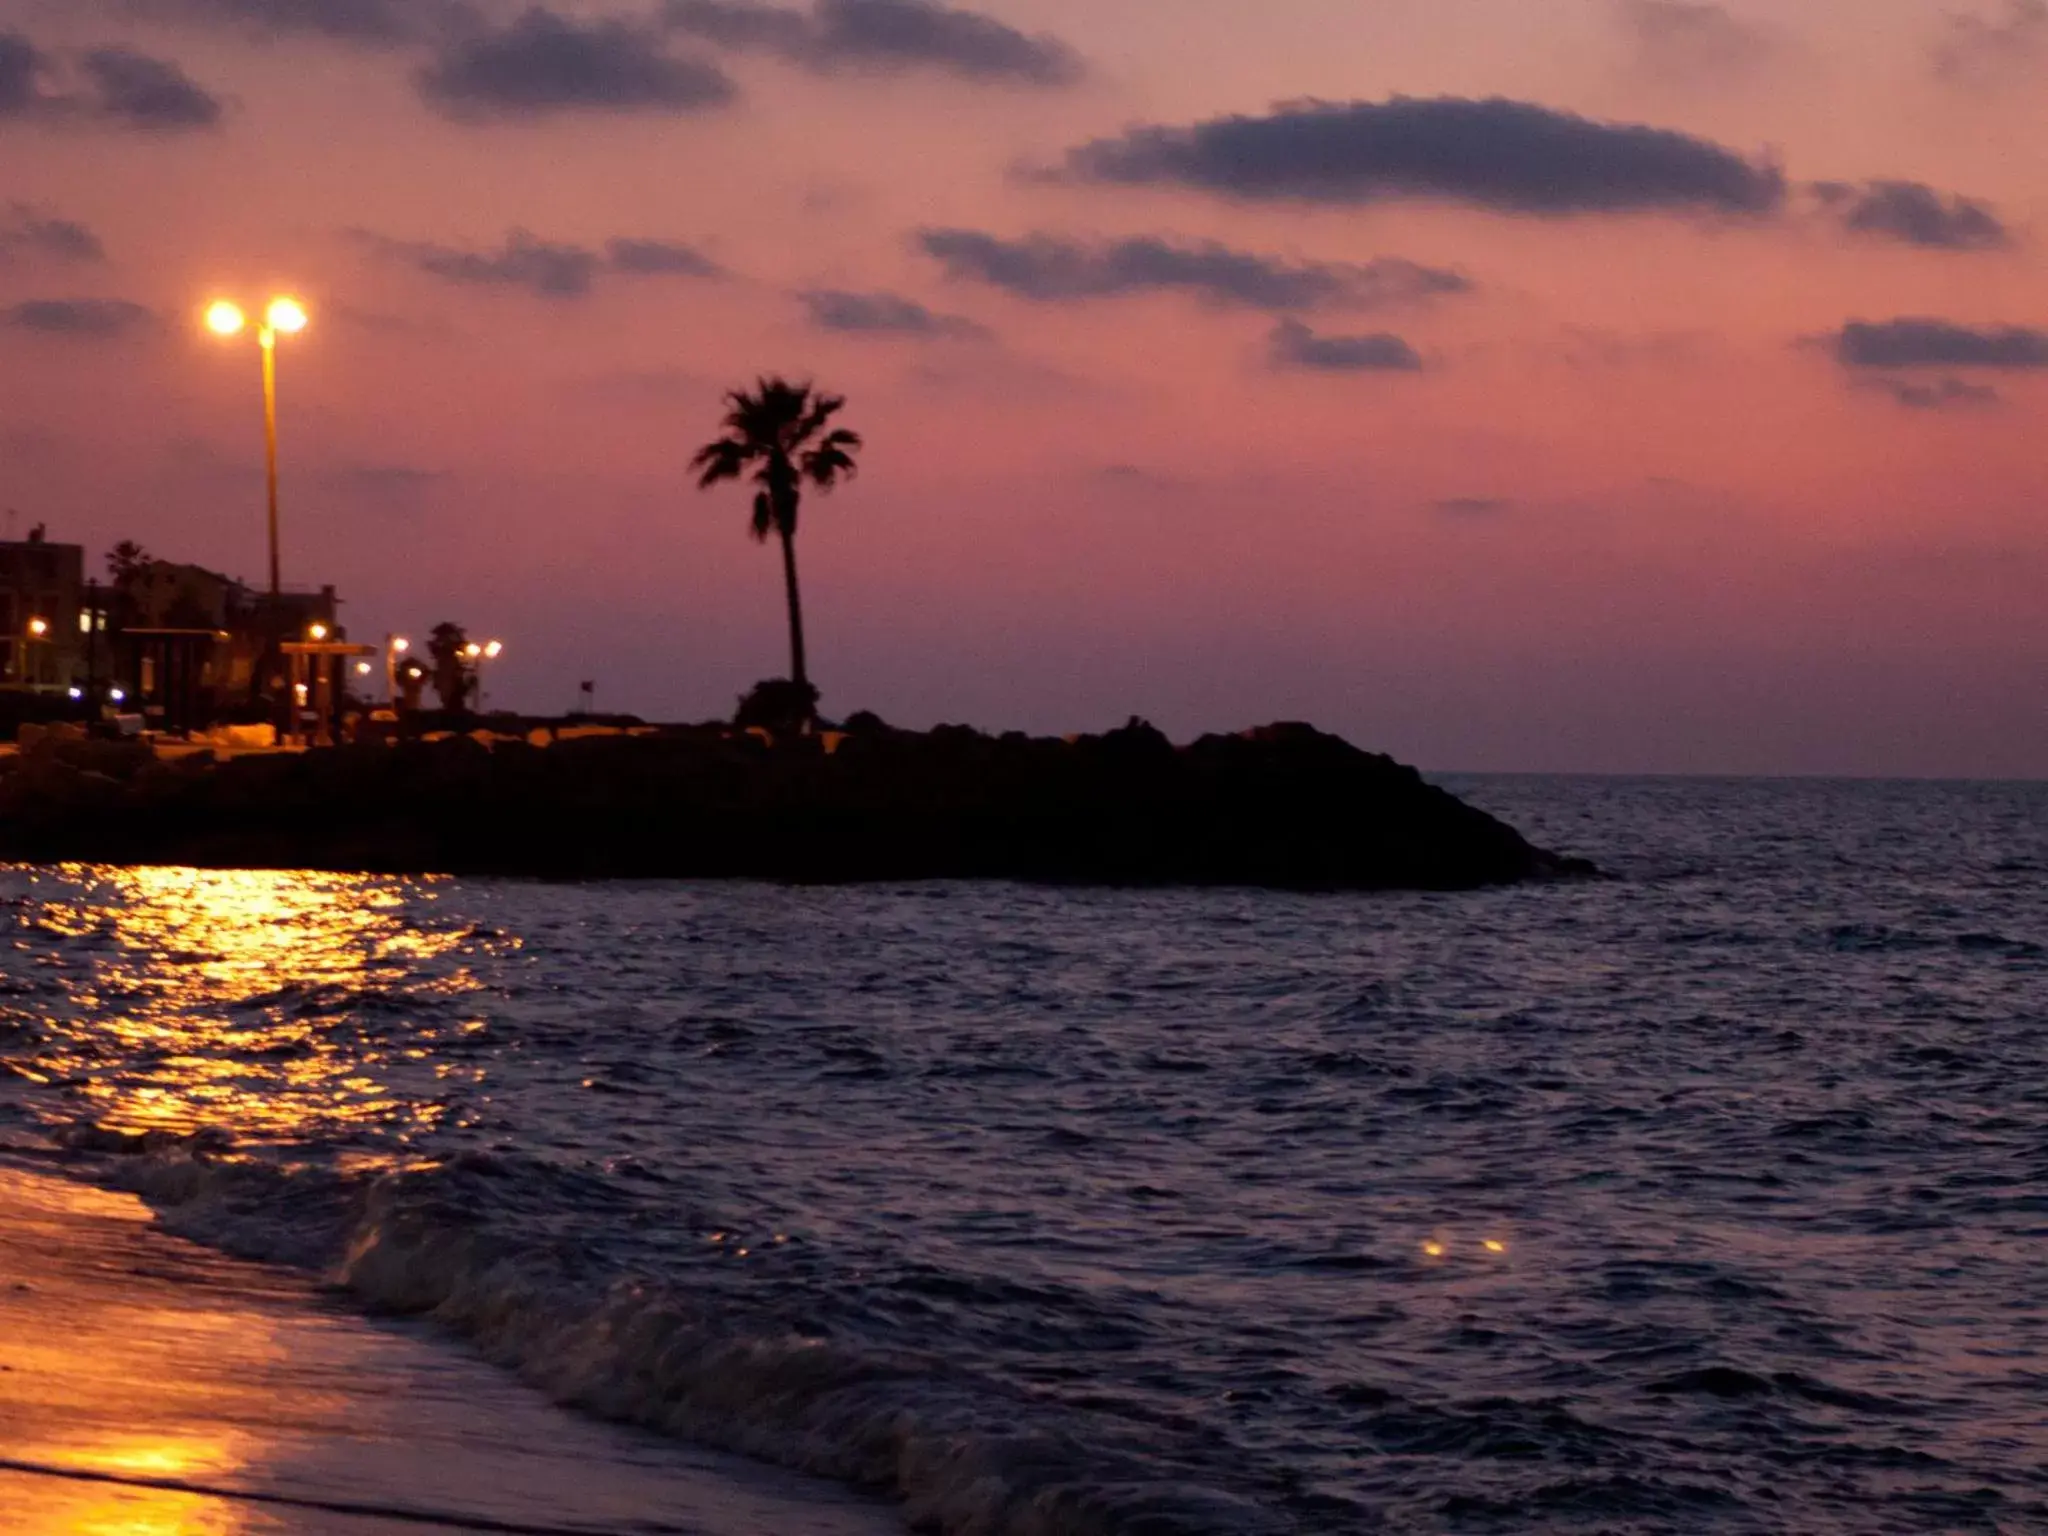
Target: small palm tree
[783, 433]
[452, 678]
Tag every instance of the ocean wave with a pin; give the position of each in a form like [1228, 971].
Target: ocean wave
[966, 1454]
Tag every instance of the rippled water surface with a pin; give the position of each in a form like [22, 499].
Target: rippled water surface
[1709, 1198]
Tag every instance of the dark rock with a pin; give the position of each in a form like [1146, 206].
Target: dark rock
[1283, 805]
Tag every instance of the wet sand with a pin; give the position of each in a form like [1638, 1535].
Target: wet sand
[150, 1387]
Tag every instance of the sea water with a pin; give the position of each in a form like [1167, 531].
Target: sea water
[1709, 1197]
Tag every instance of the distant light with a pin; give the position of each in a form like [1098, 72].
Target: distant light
[1495, 1245]
[286, 315]
[401, 645]
[225, 319]
[85, 621]
[299, 689]
[495, 649]
[317, 631]
[1433, 1249]
[78, 693]
[39, 627]
[118, 695]
[362, 669]
[472, 650]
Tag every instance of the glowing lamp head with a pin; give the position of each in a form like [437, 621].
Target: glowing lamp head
[316, 632]
[494, 650]
[472, 650]
[362, 669]
[39, 627]
[77, 693]
[118, 695]
[225, 319]
[286, 316]
[400, 646]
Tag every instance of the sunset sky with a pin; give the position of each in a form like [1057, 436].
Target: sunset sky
[1620, 385]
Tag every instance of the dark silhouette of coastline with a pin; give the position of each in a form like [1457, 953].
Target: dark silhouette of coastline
[1283, 806]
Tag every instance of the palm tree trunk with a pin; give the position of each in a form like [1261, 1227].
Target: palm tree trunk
[796, 611]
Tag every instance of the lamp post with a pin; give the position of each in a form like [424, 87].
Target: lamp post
[32, 654]
[395, 647]
[282, 317]
[476, 655]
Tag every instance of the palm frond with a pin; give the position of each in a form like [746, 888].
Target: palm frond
[725, 459]
[817, 411]
[831, 459]
[764, 517]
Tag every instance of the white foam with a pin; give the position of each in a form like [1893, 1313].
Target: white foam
[968, 1456]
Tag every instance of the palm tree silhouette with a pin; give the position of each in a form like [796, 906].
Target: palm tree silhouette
[780, 432]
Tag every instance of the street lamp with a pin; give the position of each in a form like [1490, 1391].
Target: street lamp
[477, 655]
[38, 628]
[282, 317]
[395, 646]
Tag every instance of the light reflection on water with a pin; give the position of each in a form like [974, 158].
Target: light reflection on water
[236, 998]
[1755, 1129]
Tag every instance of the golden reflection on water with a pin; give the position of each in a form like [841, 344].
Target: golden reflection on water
[53, 1506]
[233, 998]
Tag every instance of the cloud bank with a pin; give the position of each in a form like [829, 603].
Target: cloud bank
[543, 64]
[1506, 156]
[1917, 342]
[117, 87]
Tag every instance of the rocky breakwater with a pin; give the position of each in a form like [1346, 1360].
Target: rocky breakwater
[1283, 806]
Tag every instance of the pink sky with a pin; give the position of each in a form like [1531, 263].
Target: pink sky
[1633, 512]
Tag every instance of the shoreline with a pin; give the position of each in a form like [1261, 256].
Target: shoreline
[151, 1382]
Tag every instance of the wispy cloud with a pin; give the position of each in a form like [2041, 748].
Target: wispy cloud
[29, 231]
[1913, 213]
[1693, 42]
[146, 93]
[79, 319]
[1295, 345]
[373, 23]
[885, 314]
[842, 35]
[552, 269]
[1939, 395]
[1978, 51]
[1052, 270]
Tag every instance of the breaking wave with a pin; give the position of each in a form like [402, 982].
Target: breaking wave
[964, 1453]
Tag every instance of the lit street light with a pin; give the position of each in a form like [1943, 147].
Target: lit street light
[490, 650]
[38, 627]
[395, 647]
[285, 317]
